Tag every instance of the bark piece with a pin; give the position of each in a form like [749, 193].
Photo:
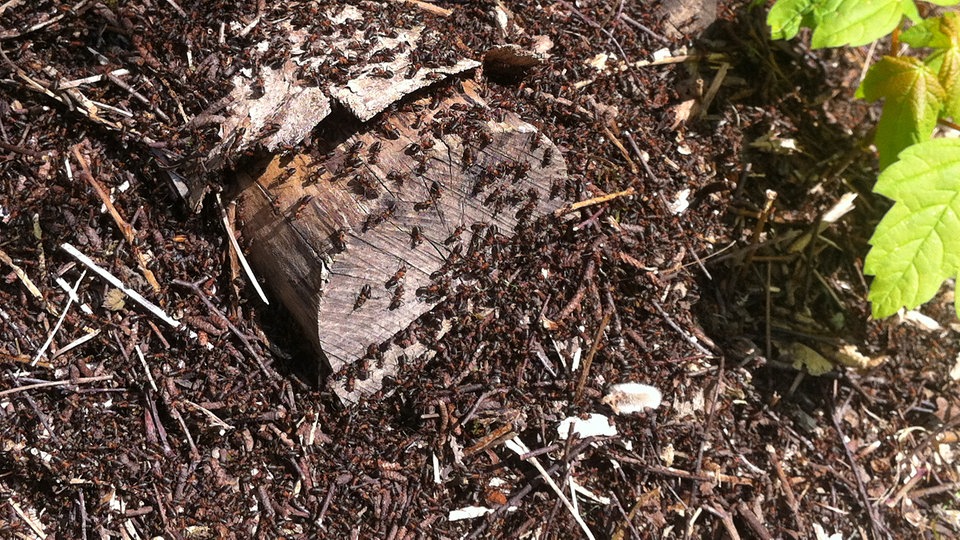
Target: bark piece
[686, 17]
[278, 107]
[349, 242]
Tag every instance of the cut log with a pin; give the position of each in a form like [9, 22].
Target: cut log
[361, 242]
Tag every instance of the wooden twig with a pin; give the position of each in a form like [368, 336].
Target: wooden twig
[236, 249]
[110, 278]
[713, 89]
[34, 525]
[48, 384]
[593, 201]
[589, 359]
[13, 34]
[236, 331]
[520, 449]
[581, 290]
[137, 95]
[5, 259]
[876, 525]
[433, 9]
[19, 149]
[146, 368]
[66, 85]
[178, 9]
[690, 339]
[214, 419]
[22, 359]
[753, 521]
[125, 228]
[76, 343]
[726, 519]
[792, 502]
[495, 437]
[71, 296]
[623, 151]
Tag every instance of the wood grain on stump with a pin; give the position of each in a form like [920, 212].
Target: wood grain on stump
[361, 242]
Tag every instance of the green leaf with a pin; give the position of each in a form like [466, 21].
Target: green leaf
[786, 17]
[921, 34]
[916, 246]
[946, 62]
[914, 98]
[856, 22]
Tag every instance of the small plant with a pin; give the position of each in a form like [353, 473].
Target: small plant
[916, 246]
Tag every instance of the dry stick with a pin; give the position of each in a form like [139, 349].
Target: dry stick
[36, 526]
[236, 249]
[581, 290]
[19, 149]
[540, 451]
[616, 142]
[512, 502]
[140, 97]
[76, 343]
[43, 418]
[66, 85]
[753, 521]
[520, 449]
[713, 89]
[326, 504]
[4, 258]
[792, 502]
[711, 415]
[681, 331]
[726, 519]
[49, 384]
[134, 295]
[935, 490]
[589, 360]
[23, 359]
[767, 317]
[595, 24]
[183, 425]
[876, 525]
[646, 30]
[428, 7]
[146, 368]
[125, 228]
[83, 515]
[236, 331]
[466, 418]
[13, 34]
[177, 7]
[71, 296]
[595, 200]
[495, 437]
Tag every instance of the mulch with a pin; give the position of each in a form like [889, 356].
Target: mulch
[693, 284]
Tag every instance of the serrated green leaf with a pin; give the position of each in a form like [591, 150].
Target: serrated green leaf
[914, 99]
[786, 17]
[946, 62]
[916, 246]
[949, 76]
[856, 22]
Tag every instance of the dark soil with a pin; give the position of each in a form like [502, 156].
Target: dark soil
[239, 439]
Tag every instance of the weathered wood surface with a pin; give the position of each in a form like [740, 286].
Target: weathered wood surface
[362, 241]
[277, 107]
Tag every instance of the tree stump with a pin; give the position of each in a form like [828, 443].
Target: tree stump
[360, 242]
